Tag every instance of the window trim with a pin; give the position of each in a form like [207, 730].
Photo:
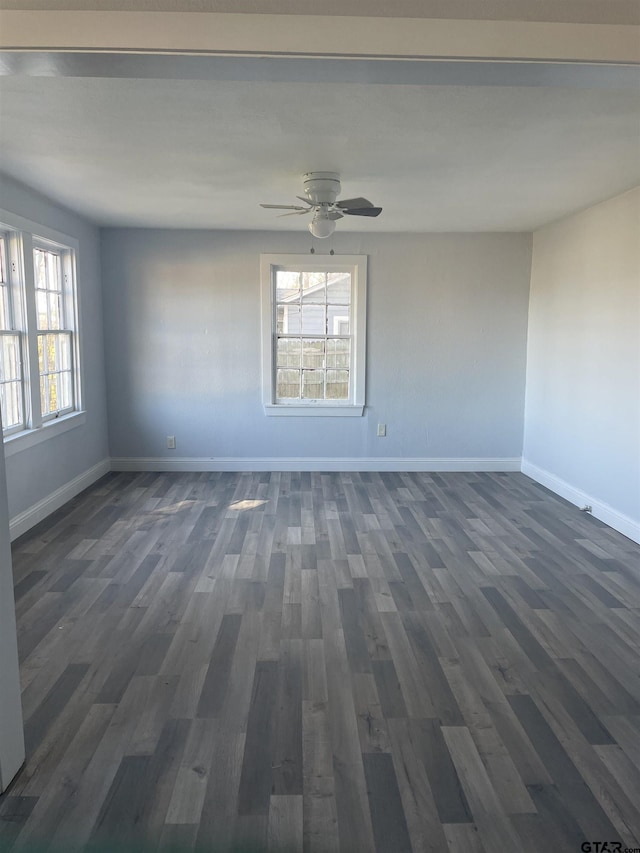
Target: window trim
[24, 234]
[14, 273]
[16, 442]
[356, 265]
[68, 319]
[18, 427]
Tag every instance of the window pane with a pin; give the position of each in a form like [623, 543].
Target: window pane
[343, 353]
[288, 384]
[313, 320]
[314, 287]
[287, 286]
[338, 319]
[288, 352]
[312, 353]
[53, 271]
[64, 389]
[9, 357]
[338, 352]
[339, 288]
[42, 309]
[8, 413]
[53, 303]
[64, 352]
[51, 342]
[39, 268]
[43, 395]
[337, 384]
[41, 353]
[11, 404]
[4, 307]
[331, 353]
[313, 384]
[53, 393]
[288, 319]
[15, 406]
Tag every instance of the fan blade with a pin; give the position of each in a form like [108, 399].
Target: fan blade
[296, 213]
[335, 214]
[364, 211]
[283, 206]
[353, 202]
[306, 200]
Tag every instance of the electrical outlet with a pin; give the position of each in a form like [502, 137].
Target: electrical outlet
[171, 442]
[382, 430]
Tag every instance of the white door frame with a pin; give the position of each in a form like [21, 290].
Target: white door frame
[11, 731]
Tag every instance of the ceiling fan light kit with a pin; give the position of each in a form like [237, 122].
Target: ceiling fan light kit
[321, 191]
[321, 226]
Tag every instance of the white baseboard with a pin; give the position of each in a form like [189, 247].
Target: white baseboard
[307, 463]
[34, 514]
[599, 509]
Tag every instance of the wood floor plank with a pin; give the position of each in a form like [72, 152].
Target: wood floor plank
[354, 819]
[58, 795]
[552, 827]
[389, 823]
[320, 819]
[412, 681]
[423, 820]
[77, 822]
[326, 661]
[52, 704]
[220, 806]
[489, 814]
[119, 818]
[287, 747]
[255, 782]
[464, 838]
[372, 719]
[578, 799]
[285, 831]
[162, 771]
[217, 678]
[450, 798]
[14, 812]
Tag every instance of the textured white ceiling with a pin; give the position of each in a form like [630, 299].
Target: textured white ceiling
[204, 153]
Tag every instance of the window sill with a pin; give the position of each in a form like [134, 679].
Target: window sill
[283, 410]
[20, 441]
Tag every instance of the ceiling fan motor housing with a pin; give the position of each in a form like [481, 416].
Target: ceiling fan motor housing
[322, 187]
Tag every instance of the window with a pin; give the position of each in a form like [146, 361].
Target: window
[39, 352]
[313, 334]
[55, 335]
[11, 385]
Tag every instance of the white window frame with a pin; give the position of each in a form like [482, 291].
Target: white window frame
[68, 316]
[24, 235]
[356, 266]
[12, 253]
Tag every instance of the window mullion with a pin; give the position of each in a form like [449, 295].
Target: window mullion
[31, 325]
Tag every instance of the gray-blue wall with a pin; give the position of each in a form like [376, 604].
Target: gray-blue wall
[447, 326]
[36, 472]
[582, 436]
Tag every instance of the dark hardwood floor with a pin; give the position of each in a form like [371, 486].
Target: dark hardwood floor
[324, 662]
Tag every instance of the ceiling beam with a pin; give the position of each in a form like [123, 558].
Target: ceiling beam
[231, 34]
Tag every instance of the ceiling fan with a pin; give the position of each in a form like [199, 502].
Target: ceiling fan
[321, 191]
